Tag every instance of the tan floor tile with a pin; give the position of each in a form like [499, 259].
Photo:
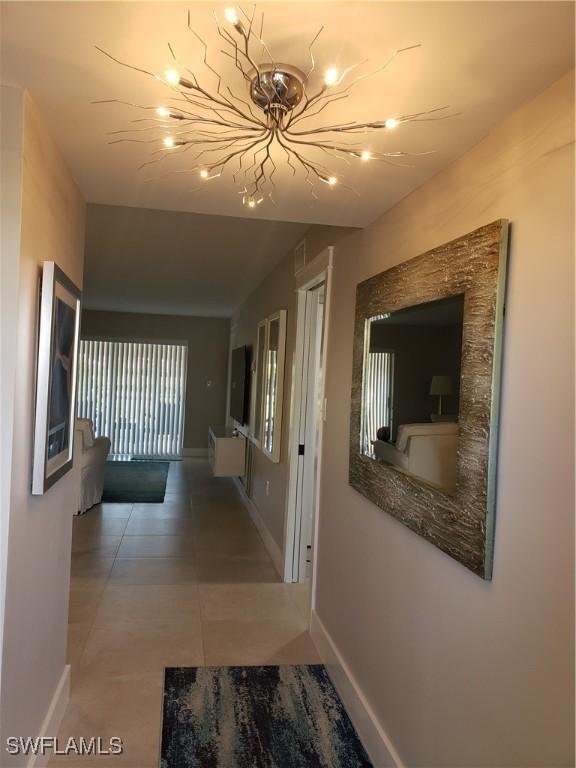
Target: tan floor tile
[229, 519]
[156, 546]
[229, 570]
[167, 509]
[238, 545]
[217, 503]
[89, 544]
[83, 602]
[129, 708]
[228, 643]
[153, 570]
[158, 526]
[129, 647]
[149, 602]
[90, 569]
[200, 492]
[300, 595]
[98, 526]
[77, 636]
[110, 510]
[248, 602]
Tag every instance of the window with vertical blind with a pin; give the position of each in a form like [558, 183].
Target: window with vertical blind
[377, 410]
[134, 393]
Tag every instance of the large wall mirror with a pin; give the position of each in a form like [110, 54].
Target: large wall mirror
[425, 394]
[258, 383]
[269, 385]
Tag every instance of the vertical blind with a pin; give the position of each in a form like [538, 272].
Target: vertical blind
[134, 394]
[270, 399]
[377, 395]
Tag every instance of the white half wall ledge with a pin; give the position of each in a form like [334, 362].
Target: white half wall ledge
[272, 548]
[54, 716]
[376, 741]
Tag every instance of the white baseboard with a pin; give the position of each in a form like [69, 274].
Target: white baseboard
[271, 546]
[195, 453]
[51, 724]
[375, 739]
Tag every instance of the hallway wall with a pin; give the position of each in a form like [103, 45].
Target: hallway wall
[207, 338]
[51, 226]
[277, 291]
[460, 671]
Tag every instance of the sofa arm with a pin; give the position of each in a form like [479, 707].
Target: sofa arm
[97, 454]
[102, 445]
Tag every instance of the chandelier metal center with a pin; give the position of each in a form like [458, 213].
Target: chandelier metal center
[277, 88]
[219, 131]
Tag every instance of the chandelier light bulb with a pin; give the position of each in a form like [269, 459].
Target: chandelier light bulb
[332, 181]
[331, 76]
[168, 141]
[391, 123]
[172, 77]
[366, 155]
[203, 173]
[251, 203]
[163, 112]
[231, 16]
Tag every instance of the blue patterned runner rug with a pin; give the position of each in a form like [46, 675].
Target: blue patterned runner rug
[256, 717]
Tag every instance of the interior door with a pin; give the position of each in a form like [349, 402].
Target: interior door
[311, 412]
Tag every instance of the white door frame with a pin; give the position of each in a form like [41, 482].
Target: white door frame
[318, 272]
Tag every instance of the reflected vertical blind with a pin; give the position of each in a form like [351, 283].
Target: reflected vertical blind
[270, 399]
[134, 393]
[377, 394]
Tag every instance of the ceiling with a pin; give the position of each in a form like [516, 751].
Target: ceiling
[168, 262]
[483, 59]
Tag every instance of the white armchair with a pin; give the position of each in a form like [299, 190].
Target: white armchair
[427, 451]
[90, 455]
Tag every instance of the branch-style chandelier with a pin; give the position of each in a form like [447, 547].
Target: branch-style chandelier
[227, 132]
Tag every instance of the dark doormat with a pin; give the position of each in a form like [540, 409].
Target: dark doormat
[256, 717]
[135, 481]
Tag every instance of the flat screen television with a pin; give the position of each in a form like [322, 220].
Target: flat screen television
[239, 385]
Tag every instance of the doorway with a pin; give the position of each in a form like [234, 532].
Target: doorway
[308, 410]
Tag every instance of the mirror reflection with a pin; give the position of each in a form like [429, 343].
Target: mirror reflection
[411, 385]
[259, 386]
[271, 384]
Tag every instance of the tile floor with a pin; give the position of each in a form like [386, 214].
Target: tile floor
[183, 583]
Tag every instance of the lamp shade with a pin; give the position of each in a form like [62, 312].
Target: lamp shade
[441, 385]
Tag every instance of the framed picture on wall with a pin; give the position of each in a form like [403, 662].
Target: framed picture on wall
[59, 327]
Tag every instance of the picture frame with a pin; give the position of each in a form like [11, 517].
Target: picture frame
[56, 374]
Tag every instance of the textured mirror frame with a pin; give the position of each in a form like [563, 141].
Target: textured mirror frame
[462, 525]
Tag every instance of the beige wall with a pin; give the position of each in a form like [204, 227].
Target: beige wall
[207, 340]
[39, 527]
[277, 291]
[11, 116]
[462, 672]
